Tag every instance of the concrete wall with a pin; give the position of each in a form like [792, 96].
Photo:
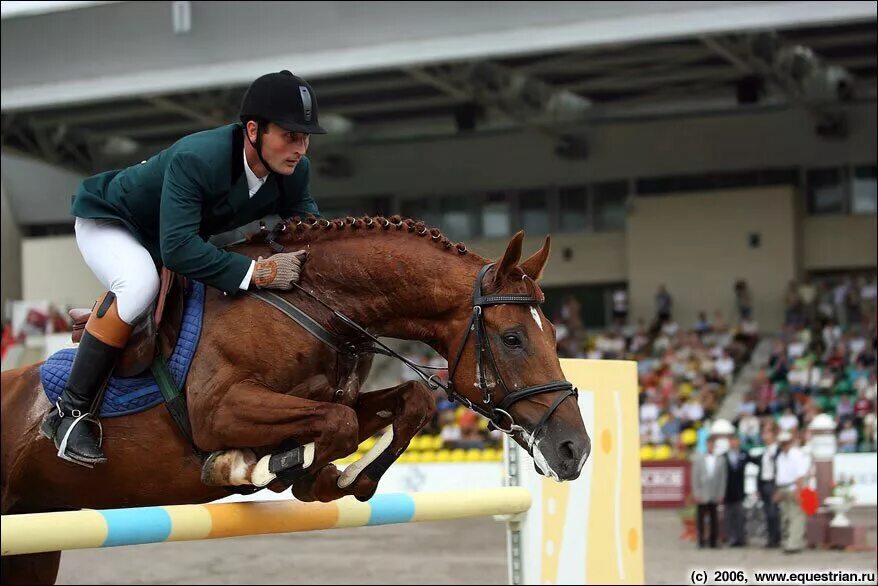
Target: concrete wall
[595, 258]
[698, 246]
[10, 274]
[54, 270]
[39, 193]
[840, 242]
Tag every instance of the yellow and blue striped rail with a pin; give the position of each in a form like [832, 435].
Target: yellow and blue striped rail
[40, 532]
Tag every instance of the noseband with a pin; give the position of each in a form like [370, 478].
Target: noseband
[498, 413]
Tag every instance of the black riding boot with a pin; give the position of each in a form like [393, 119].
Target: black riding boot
[73, 419]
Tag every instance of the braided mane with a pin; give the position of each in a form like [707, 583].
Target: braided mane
[311, 228]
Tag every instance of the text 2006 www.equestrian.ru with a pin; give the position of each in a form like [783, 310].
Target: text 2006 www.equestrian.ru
[772, 576]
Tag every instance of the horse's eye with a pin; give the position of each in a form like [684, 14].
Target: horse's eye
[512, 340]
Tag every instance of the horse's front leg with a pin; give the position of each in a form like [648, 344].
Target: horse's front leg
[406, 408]
[250, 415]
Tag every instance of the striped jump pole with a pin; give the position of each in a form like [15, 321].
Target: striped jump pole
[42, 532]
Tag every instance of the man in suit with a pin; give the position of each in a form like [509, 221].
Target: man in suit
[733, 506]
[708, 489]
[163, 212]
[767, 463]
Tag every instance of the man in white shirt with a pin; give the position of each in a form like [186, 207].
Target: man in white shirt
[791, 472]
[725, 366]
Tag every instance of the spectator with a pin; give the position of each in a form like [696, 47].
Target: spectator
[791, 472]
[847, 437]
[826, 306]
[765, 483]
[672, 426]
[748, 430]
[869, 297]
[743, 299]
[794, 306]
[808, 297]
[862, 407]
[469, 430]
[725, 367]
[693, 410]
[733, 511]
[650, 432]
[853, 302]
[788, 421]
[702, 326]
[620, 307]
[839, 300]
[708, 490]
[451, 433]
[870, 433]
[747, 406]
[663, 305]
[571, 315]
[844, 410]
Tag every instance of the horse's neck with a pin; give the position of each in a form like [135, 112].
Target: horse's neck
[398, 286]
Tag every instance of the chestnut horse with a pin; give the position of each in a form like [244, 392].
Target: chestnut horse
[258, 379]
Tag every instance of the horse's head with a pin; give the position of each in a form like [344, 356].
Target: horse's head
[508, 369]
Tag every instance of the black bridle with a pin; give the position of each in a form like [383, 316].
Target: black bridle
[499, 412]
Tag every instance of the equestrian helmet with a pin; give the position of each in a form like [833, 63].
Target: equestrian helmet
[285, 99]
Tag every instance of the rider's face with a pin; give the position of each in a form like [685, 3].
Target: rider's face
[283, 149]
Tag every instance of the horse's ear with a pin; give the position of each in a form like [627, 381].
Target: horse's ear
[510, 258]
[533, 267]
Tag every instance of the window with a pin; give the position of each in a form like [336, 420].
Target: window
[609, 205]
[456, 214]
[496, 215]
[574, 209]
[656, 186]
[826, 191]
[41, 230]
[534, 209]
[864, 190]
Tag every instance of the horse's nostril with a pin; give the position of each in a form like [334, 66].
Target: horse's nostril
[568, 451]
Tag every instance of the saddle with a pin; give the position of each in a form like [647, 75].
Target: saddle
[159, 329]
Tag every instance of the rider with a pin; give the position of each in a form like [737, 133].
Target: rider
[162, 211]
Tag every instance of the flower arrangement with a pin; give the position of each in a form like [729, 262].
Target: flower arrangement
[844, 489]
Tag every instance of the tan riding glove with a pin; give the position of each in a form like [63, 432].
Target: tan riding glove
[279, 271]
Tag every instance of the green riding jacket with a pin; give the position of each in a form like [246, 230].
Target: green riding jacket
[196, 188]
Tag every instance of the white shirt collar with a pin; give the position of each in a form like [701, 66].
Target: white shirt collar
[253, 182]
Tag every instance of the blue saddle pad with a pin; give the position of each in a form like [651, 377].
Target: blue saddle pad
[125, 396]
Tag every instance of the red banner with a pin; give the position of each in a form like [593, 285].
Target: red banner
[665, 484]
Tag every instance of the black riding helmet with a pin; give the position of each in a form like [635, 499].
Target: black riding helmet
[284, 99]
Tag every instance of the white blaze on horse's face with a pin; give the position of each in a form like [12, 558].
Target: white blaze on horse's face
[536, 317]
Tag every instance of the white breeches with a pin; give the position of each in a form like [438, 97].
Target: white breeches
[120, 263]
